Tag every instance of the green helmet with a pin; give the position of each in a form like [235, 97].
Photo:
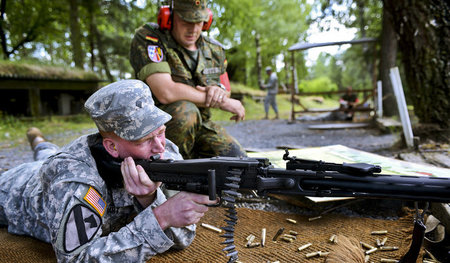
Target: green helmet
[193, 11]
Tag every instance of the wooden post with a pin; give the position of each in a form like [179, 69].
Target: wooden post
[402, 108]
[34, 96]
[294, 83]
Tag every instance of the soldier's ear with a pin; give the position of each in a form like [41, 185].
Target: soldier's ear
[110, 146]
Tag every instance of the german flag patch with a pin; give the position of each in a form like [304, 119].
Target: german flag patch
[153, 39]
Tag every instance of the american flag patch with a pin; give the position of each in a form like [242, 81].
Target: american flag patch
[94, 199]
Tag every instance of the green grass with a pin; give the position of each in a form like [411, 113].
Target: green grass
[13, 130]
[255, 110]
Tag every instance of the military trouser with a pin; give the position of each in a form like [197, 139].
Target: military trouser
[195, 137]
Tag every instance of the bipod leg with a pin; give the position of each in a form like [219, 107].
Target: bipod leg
[417, 236]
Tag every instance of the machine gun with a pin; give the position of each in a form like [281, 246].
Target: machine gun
[224, 176]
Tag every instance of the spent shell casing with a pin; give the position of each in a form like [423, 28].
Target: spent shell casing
[291, 220]
[312, 254]
[370, 251]
[287, 239]
[379, 232]
[332, 238]
[383, 241]
[292, 232]
[366, 246]
[290, 236]
[279, 232]
[388, 260]
[378, 242]
[314, 218]
[366, 258]
[305, 246]
[263, 237]
[323, 254]
[250, 237]
[212, 228]
[252, 245]
[388, 248]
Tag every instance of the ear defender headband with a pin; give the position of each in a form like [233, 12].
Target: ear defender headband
[165, 18]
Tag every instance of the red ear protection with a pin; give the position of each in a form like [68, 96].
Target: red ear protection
[165, 19]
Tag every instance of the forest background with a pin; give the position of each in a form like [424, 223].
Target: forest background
[95, 35]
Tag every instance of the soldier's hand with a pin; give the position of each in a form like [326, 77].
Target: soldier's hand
[182, 209]
[137, 182]
[214, 95]
[235, 107]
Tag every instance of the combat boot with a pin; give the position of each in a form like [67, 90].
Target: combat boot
[35, 137]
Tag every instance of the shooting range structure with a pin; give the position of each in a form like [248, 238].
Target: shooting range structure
[294, 87]
[29, 90]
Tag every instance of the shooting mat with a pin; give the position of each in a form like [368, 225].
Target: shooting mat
[207, 248]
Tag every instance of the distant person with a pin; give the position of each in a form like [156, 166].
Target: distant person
[272, 91]
[347, 102]
[69, 199]
[183, 69]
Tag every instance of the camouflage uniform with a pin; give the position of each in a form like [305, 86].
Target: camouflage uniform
[64, 200]
[156, 51]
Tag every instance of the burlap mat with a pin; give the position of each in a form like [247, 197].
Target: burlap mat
[207, 248]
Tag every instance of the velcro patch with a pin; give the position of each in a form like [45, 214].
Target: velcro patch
[153, 39]
[155, 53]
[94, 199]
[81, 226]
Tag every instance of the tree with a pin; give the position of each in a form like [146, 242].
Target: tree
[423, 28]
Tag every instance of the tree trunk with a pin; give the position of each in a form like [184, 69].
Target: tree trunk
[2, 32]
[258, 60]
[89, 4]
[101, 54]
[387, 61]
[424, 30]
[75, 34]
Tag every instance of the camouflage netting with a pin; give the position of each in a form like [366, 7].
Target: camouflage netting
[207, 248]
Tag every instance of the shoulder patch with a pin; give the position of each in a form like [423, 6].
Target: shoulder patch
[80, 227]
[95, 200]
[153, 39]
[155, 53]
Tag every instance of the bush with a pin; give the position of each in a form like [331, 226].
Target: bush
[320, 84]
